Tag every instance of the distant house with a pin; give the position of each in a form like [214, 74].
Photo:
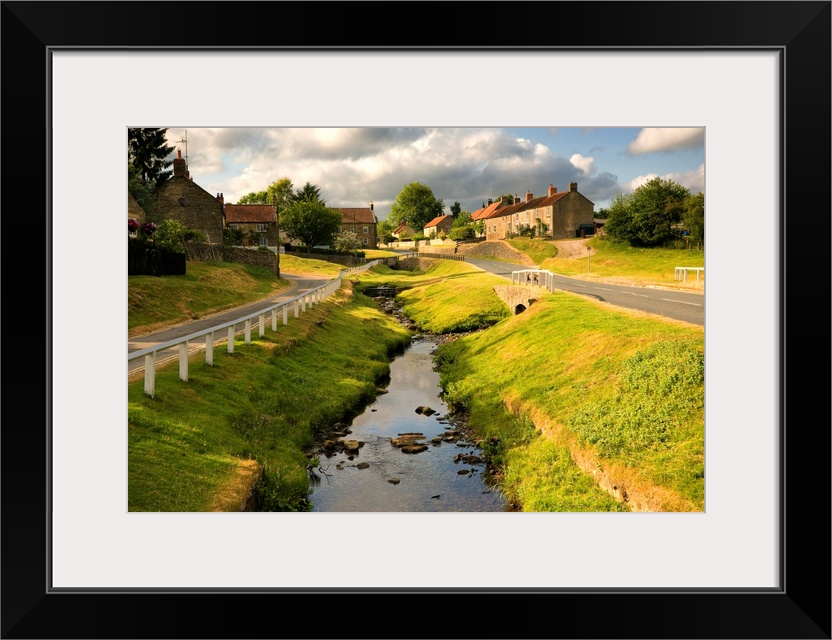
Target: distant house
[362, 222]
[488, 209]
[440, 224]
[557, 215]
[180, 198]
[257, 221]
[135, 213]
[403, 230]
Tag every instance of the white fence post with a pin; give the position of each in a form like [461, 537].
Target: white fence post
[274, 319]
[261, 323]
[285, 314]
[183, 361]
[209, 349]
[150, 374]
[231, 339]
[248, 331]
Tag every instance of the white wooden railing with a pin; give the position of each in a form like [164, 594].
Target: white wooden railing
[298, 305]
[535, 278]
[681, 273]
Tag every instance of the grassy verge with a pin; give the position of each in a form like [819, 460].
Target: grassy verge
[612, 259]
[445, 297]
[195, 445]
[538, 250]
[572, 397]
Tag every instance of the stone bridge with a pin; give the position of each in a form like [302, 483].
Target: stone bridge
[518, 298]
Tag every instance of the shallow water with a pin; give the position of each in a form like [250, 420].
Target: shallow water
[427, 481]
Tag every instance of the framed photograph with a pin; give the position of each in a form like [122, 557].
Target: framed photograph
[754, 75]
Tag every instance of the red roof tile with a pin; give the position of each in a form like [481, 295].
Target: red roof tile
[351, 215]
[249, 213]
[436, 221]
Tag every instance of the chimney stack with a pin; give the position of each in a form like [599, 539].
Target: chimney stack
[490, 202]
[371, 205]
[221, 198]
[516, 199]
[573, 186]
[529, 196]
[552, 190]
[180, 166]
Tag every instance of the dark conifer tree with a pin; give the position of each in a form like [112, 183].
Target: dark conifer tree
[147, 150]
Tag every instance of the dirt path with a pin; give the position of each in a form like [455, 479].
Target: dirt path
[570, 249]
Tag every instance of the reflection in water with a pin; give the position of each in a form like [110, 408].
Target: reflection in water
[381, 476]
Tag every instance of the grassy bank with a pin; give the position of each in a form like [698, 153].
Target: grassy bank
[613, 260]
[195, 446]
[442, 296]
[572, 396]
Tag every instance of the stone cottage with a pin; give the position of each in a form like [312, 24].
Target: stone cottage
[180, 198]
[257, 221]
[557, 215]
[362, 221]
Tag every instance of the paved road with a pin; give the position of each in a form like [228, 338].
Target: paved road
[300, 284]
[679, 305]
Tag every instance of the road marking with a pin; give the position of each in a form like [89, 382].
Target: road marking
[693, 304]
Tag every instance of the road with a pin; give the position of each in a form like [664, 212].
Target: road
[679, 305]
[300, 284]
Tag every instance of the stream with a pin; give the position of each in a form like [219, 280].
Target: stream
[403, 453]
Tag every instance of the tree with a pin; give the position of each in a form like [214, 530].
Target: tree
[138, 188]
[169, 235]
[694, 219]
[309, 193]
[455, 209]
[644, 218]
[415, 205]
[147, 152]
[384, 232]
[311, 223]
[255, 197]
[463, 219]
[347, 242]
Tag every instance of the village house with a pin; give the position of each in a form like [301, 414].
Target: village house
[404, 230]
[440, 224]
[135, 213]
[257, 221]
[557, 215]
[180, 198]
[362, 222]
[488, 209]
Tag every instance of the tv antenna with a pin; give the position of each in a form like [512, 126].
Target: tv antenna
[185, 140]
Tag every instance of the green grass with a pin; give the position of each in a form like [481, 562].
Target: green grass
[263, 402]
[208, 288]
[448, 297]
[537, 249]
[618, 260]
[625, 390]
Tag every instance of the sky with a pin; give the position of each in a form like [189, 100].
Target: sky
[356, 166]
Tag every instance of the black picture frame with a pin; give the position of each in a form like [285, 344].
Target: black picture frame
[800, 608]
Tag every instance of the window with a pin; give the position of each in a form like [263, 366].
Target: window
[261, 228]
[364, 240]
[366, 229]
[236, 227]
[133, 233]
[263, 241]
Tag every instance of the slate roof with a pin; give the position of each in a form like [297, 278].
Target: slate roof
[251, 213]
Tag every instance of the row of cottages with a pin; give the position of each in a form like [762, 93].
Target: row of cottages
[440, 224]
[557, 215]
[180, 198]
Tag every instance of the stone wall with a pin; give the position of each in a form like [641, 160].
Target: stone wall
[266, 259]
[518, 298]
[496, 249]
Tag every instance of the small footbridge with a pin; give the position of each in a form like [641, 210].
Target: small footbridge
[527, 285]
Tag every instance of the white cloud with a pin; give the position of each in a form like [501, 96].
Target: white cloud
[671, 139]
[694, 180]
[584, 163]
